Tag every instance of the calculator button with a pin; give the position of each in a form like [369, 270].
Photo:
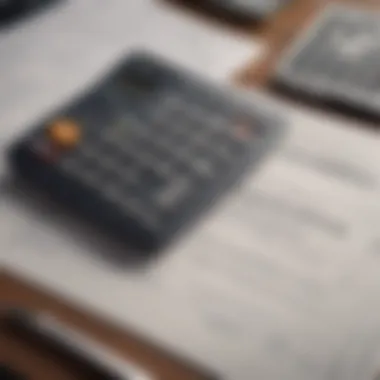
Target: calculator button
[217, 122]
[108, 163]
[165, 169]
[113, 192]
[72, 166]
[150, 180]
[136, 208]
[174, 192]
[65, 133]
[133, 205]
[223, 152]
[88, 152]
[91, 177]
[130, 176]
[203, 167]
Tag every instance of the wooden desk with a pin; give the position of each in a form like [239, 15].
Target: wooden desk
[16, 292]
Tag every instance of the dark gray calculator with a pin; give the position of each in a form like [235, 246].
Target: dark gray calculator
[337, 59]
[248, 9]
[146, 149]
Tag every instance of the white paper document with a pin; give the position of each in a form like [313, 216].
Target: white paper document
[280, 280]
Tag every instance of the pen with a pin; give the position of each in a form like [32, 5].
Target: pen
[103, 363]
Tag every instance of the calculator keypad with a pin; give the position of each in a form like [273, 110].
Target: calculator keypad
[337, 58]
[150, 166]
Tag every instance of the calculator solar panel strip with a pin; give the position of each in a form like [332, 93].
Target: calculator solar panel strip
[146, 149]
[336, 60]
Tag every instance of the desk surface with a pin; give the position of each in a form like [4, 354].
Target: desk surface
[254, 290]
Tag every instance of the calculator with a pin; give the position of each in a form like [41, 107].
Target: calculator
[146, 149]
[13, 9]
[336, 60]
[247, 9]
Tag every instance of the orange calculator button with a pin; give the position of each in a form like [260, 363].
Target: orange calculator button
[65, 133]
